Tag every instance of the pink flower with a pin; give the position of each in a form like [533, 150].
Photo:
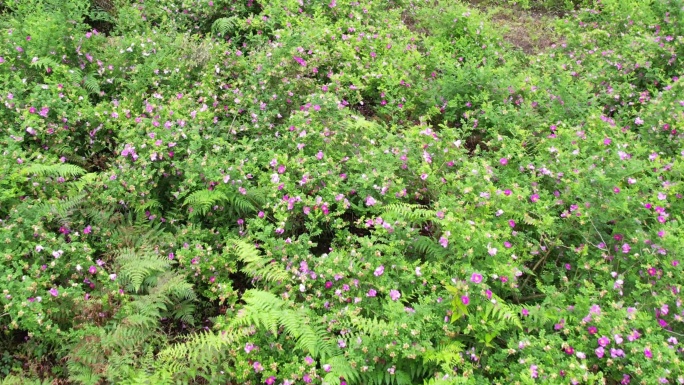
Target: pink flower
[395, 294]
[299, 60]
[465, 300]
[533, 371]
[257, 366]
[534, 198]
[503, 161]
[379, 271]
[476, 278]
[370, 201]
[603, 341]
[444, 242]
[53, 292]
[599, 352]
[371, 293]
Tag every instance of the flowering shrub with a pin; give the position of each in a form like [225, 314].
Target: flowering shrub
[339, 192]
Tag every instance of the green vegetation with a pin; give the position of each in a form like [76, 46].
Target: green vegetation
[341, 192]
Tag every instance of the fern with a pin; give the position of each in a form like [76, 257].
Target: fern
[266, 310]
[53, 170]
[225, 25]
[45, 63]
[411, 213]
[135, 267]
[203, 200]
[255, 265]
[428, 247]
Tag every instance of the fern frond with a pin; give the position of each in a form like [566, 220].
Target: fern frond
[256, 265]
[135, 267]
[53, 170]
[411, 213]
[45, 63]
[225, 25]
[91, 84]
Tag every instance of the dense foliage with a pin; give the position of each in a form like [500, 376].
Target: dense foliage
[340, 192]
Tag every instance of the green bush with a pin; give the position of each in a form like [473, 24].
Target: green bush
[339, 192]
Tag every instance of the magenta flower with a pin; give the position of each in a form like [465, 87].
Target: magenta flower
[271, 380]
[53, 292]
[299, 60]
[465, 300]
[476, 278]
[92, 270]
[394, 294]
[534, 198]
[603, 341]
[503, 161]
[647, 353]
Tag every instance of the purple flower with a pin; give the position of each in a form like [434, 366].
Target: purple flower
[534, 198]
[394, 294]
[476, 278]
